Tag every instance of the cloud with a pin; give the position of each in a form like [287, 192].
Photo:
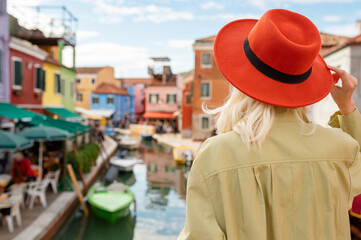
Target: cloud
[229, 16]
[332, 18]
[212, 5]
[180, 43]
[149, 13]
[349, 30]
[265, 4]
[127, 60]
[84, 35]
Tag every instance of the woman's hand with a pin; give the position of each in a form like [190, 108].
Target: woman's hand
[343, 95]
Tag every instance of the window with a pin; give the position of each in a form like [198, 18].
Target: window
[95, 100]
[92, 81]
[205, 89]
[153, 98]
[79, 97]
[110, 100]
[188, 99]
[205, 122]
[191, 90]
[78, 81]
[18, 73]
[206, 60]
[39, 78]
[171, 98]
[72, 89]
[57, 83]
[62, 87]
[1, 65]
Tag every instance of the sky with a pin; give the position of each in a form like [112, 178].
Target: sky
[124, 34]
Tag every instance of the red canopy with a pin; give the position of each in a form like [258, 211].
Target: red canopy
[158, 115]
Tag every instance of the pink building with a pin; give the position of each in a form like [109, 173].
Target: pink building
[161, 102]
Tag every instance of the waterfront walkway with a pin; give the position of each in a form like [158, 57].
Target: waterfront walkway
[175, 140]
[37, 223]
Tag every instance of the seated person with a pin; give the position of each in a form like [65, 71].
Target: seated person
[21, 170]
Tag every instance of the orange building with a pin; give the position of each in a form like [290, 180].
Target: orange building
[88, 79]
[186, 105]
[209, 87]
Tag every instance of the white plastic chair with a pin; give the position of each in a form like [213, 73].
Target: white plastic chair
[15, 202]
[37, 189]
[18, 189]
[53, 178]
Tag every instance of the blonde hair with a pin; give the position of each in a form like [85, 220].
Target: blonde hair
[250, 118]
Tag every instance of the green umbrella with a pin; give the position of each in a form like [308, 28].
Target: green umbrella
[9, 141]
[41, 133]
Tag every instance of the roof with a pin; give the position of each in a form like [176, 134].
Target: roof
[107, 88]
[53, 61]
[136, 80]
[330, 42]
[89, 70]
[207, 39]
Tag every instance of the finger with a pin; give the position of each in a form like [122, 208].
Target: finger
[336, 77]
[339, 71]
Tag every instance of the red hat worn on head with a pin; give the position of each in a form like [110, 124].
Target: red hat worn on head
[275, 59]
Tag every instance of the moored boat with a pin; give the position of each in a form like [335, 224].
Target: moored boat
[112, 202]
[184, 154]
[124, 164]
[125, 141]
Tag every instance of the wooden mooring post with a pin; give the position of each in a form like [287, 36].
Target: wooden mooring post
[76, 188]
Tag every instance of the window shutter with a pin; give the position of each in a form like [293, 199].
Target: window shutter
[18, 68]
[42, 79]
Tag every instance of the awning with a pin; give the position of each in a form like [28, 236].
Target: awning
[71, 127]
[65, 114]
[159, 115]
[17, 114]
[95, 113]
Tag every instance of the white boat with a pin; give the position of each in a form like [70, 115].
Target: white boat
[126, 142]
[124, 164]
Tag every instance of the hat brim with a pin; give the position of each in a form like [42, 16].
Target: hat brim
[233, 63]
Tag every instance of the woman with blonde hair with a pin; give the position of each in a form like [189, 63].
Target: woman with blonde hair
[271, 173]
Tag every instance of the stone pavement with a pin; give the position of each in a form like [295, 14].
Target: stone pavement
[37, 222]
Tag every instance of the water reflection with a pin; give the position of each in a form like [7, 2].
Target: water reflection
[159, 186]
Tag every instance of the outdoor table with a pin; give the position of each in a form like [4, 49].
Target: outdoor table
[4, 180]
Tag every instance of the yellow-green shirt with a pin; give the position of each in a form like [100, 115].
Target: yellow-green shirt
[297, 186]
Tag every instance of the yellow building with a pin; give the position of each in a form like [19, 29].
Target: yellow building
[88, 79]
[52, 94]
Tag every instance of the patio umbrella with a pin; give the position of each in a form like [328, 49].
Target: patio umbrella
[10, 141]
[41, 133]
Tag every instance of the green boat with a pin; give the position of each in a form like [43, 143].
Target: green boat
[111, 202]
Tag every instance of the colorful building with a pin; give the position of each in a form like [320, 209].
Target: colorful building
[345, 53]
[186, 105]
[109, 97]
[52, 94]
[27, 77]
[209, 86]
[88, 79]
[139, 85]
[4, 54]
[68, 92]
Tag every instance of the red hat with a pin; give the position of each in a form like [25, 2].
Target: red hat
[275, 59]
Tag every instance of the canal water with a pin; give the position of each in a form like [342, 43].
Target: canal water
[159, 186]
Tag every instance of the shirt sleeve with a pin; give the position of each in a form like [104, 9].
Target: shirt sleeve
[355, 177]
[200, 218]
[351, 124]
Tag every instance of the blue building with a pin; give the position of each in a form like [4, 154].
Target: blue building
[109, 97]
